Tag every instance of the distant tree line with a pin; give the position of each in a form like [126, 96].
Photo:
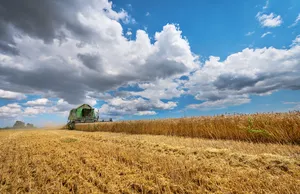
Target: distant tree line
[20, 125]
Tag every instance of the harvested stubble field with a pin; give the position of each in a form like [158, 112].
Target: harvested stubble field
[262, 127]
[62, 161]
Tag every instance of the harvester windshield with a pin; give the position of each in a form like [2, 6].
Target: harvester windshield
[86, 112]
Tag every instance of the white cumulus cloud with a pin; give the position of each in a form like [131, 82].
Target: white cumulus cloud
[77, 51]
[249, 72]
[142, 113]
[269, 20]
[11, 95]
[38, 102]
[133, 106]
[10, 111]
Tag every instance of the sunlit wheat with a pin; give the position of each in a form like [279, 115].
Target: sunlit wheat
[267, 127]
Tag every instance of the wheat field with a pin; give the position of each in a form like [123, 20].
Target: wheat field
[260, 127]
[64, 161]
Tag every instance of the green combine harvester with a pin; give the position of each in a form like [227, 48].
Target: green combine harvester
[82, 114]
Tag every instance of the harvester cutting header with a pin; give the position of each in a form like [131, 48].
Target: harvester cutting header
[83, 114]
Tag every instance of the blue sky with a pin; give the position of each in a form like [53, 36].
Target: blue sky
[148, 59]
[217, 27]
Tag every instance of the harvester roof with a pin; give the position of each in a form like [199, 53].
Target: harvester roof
[84, 106]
